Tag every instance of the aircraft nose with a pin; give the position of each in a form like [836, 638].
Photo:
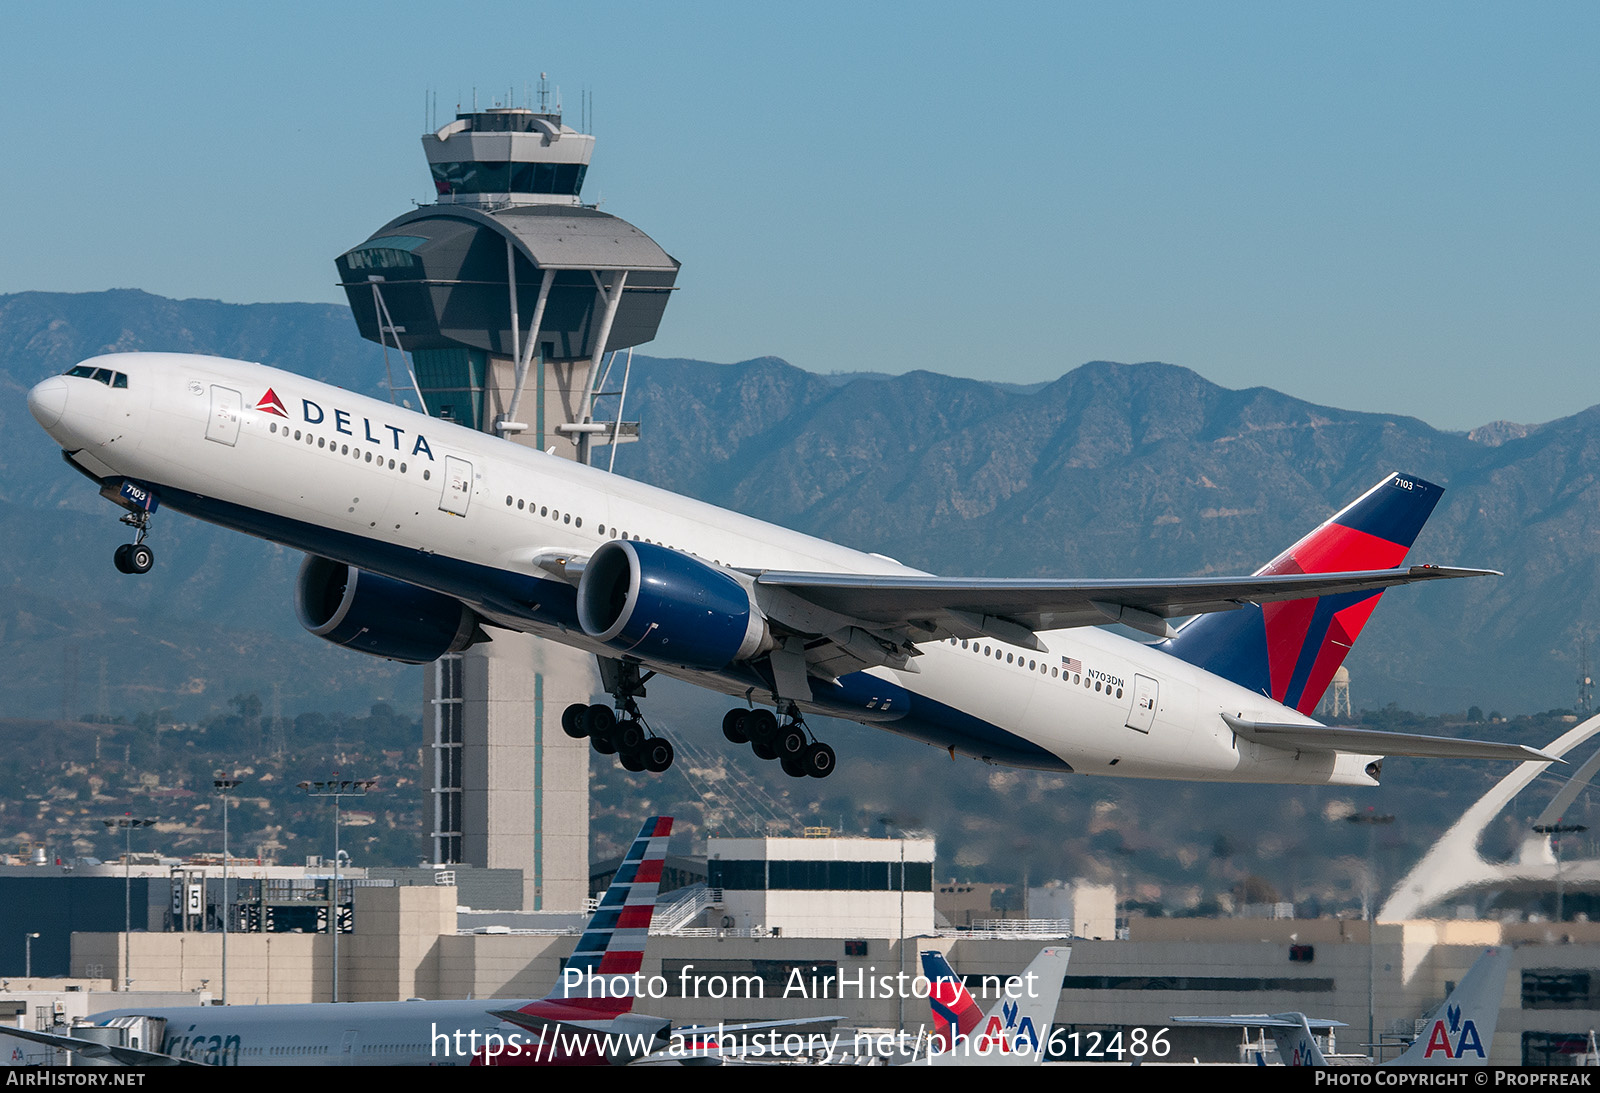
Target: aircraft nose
[48, 401]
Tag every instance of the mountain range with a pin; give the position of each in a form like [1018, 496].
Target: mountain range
[1111, 470]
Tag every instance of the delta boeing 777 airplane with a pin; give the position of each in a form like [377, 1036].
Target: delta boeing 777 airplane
[423, 536]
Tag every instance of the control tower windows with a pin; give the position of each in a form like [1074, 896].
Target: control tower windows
[386, 252]
[509, 178]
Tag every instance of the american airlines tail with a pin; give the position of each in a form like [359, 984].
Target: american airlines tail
[1290, 650]
[1461, 1030]
[612, 947]
[1458, 1033]
[1015, 1032]
[587, 1018]
[1297, 1046]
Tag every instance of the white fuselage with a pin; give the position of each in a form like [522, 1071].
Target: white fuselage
[415, 1033]
[439, 505]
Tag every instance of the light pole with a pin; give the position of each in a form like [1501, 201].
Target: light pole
[887, 823]
[337, 789]
[1555, 831]
[27, 954]
[127, 823]
[1369, 912]
[224, 786]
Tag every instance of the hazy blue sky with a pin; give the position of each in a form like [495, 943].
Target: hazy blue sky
[1383, 206]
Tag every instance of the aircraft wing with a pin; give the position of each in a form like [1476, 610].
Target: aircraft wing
[126, 1056]
[1009, 609]
[1375, 742]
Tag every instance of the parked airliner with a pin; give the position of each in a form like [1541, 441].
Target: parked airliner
[1460, 1032]
[587, 1018]
[423, 536]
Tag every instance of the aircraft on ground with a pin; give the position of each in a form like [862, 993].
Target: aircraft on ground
[577, 1023]
[1459, 1033]
[423, 536]
[1015, 1031]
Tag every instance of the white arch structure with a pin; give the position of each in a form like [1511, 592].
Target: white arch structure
[1454, 865]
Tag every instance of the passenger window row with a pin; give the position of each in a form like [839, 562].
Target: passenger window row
[1020, 661]
[335, 448]
[524, 505]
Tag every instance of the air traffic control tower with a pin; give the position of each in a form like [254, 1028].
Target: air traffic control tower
[508, 293]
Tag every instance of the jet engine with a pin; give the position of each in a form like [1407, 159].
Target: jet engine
[660, 604]
[381, 616]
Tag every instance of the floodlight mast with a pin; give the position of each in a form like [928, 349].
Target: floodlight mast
[336, 789]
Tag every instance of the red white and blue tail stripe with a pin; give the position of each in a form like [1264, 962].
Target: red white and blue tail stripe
[613, 944]
[1289, 651]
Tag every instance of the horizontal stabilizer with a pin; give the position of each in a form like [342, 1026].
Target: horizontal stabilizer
[1261, 1020]
[91, 1049]
[1374, 742]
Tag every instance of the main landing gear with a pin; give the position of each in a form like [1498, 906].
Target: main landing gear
[790, 743]
[135, 557]
[628, 737]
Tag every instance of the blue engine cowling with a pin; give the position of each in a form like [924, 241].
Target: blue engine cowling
[658, 604]
[379, 615]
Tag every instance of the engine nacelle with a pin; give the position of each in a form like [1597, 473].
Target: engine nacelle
[380, 616]
[659, 604]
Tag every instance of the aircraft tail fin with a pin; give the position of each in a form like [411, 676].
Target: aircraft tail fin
[613, 943]
[1290, 650]
[1461, 1030]
[1014, 1032]
[1296, 1044]
[1292, 1033]
[955, 1014]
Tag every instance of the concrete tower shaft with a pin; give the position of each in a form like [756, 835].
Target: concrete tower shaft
[507, 294]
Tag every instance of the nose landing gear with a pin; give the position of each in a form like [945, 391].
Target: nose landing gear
[135, 557]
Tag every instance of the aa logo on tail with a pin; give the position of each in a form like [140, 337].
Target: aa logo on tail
[1466, 1037]
[1010, 1036]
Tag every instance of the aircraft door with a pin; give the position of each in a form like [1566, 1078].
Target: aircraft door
[227, 407]
[1142, 715]
[457, 486]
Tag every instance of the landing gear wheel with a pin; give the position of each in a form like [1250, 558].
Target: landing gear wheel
[733, 725]
[599, 720]
[629, 736]
[791, 743]
[818, 760]
[631, 760]
[761, 726]
[793, 766]
[574, 721]
[120, 559]
[657, 755]
[603, 743]
[140, 558]
[763, 751]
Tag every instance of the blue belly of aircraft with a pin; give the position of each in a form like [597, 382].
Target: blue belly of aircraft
[552, 603]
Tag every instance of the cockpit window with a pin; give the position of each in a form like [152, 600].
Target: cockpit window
[100, 375]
